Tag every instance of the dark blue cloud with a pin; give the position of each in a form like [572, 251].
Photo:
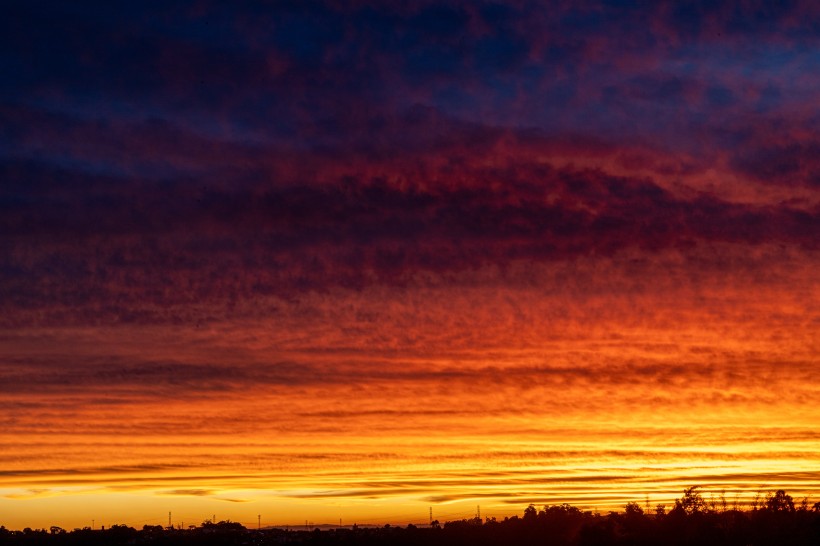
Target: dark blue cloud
[270, 70]
[316, 143]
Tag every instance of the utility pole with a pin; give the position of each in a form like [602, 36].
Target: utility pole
[431, 516]
[169, 519]
[92, 524]
[259, 522]
[478, 512]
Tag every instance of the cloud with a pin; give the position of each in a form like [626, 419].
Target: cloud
[108, 256]
[199, 493]
[794, 163]
[31, 494]
[188, 492]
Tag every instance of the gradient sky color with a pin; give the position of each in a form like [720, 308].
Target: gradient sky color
[322, 260]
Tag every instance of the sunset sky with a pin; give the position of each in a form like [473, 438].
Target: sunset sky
[353, 260]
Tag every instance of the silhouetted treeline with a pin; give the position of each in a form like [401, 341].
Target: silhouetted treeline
[775, 519]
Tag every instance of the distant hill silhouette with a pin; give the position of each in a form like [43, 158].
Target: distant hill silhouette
[775, 519]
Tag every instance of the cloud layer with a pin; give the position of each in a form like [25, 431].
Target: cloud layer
[402, 238]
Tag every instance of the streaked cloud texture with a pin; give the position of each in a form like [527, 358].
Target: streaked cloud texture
[343, 258]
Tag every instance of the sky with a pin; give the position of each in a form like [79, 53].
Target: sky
[316, 261]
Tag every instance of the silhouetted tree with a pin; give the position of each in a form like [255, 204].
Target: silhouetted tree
[660, 510]
[530, 514]
[779, 502]
[691, 502]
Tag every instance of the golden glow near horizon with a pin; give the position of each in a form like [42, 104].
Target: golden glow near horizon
[371, 406]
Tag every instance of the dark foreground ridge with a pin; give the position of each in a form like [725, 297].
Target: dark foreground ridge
[693, 520]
